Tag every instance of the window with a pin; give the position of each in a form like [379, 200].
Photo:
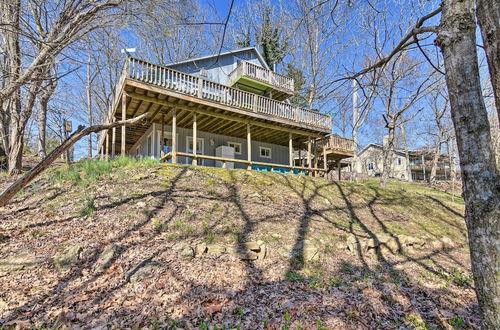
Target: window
[236, 146]
[199, 145]
[370, 166]
[150, 145]
[265, 152]
[398, 160]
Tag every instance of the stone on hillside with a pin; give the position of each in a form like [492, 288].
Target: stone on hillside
[276, 235]
[140, 205]
[356, 245]
[216, 249]
[444, 243]
[244, 254]
[406, 240]
[201, 249]
[263, 252]
[106, 257]
[68, 258]
[19, 261]
[142, 270]
[253, 245]
[183, 250]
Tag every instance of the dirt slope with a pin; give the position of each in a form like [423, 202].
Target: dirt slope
[141, 244]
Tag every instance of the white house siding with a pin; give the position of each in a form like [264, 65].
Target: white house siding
[374, 155]
[279, 154]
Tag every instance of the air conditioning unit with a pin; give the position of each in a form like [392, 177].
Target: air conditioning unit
[224, 152]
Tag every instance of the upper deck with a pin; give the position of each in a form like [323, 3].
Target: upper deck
[218, 94]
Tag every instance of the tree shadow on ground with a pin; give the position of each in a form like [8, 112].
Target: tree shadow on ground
[389, 296]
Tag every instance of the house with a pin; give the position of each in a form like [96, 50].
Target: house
[369, 161]
[225, 110]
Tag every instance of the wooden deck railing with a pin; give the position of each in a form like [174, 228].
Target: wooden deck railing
[204, 89]
[336, 142]
[259, 73]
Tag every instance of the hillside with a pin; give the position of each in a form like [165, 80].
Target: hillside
[137, 243]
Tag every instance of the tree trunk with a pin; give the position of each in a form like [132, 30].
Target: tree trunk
[407, 153]
[435, 161]
[388, 156]
[481, 180]
[488, 16]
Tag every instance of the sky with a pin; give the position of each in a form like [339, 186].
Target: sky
[350, 55]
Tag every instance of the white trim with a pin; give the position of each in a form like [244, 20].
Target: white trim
[150, 145]
[235, 143]
[265, 148]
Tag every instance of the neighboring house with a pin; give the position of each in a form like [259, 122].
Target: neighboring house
[370, 162]
[231, 104]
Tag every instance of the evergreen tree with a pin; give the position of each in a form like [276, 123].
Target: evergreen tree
[273, 42]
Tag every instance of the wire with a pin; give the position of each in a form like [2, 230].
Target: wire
[224, 31]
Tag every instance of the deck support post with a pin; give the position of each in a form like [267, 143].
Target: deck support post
[162, 138]
[195, 139]
[113, 140]
[339, 169]
[290, 149]
[107, 145]
[124, 117]
[324, 158]
[174, 136]
[249, 146]
[309, 151]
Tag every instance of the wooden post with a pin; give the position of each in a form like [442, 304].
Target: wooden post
[339, 169]
[107, 145]
[290, 148]
[113, 140]
[249, 146]
[124, 116]
[162, 138]
[174, 136]
[324, 158]
[300, 157]
[309, 151]
[195, 138]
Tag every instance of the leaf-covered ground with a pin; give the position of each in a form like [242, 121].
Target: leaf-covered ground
[144, 210]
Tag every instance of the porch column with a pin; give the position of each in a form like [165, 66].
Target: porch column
[124, 117]
[113, 140]
[174, 136]
[300, 156]
[107, 145]
[249, 147]
[195, 138]
[309, 151]
[324, 158]
[339, 169]
[162, 138]
[290, 148]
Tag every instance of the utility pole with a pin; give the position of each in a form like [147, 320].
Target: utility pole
[355, 123]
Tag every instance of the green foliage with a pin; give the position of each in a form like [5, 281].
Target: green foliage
[88, 206]
[299, 97]
[458, 277]
[456, 322]
[417, 322]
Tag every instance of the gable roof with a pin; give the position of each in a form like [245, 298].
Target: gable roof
[234, 51]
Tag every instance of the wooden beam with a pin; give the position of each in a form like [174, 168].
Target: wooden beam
[249, 146]
[324, 157]
[225, 116]
[113, 140]
[174, 136]
[195, 139]
[162, 138]
[107, 145]
[124, 117]
[309, 151]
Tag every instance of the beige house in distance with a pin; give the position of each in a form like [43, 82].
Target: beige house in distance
[370, 161]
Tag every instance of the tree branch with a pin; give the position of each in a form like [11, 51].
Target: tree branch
[80, 132]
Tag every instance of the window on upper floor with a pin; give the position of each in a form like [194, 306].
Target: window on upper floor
[370, 166]
[398, 161]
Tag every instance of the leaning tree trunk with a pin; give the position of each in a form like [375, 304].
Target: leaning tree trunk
[488, 16]
[457, 40]
[81, 131]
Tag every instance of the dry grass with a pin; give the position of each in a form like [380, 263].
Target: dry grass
[146, 208]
